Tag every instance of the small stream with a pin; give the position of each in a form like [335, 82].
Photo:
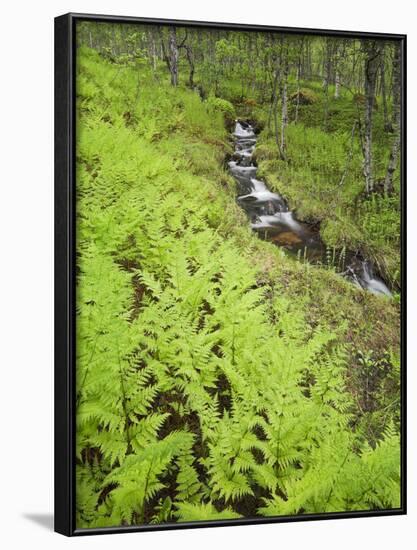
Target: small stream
[271, 218]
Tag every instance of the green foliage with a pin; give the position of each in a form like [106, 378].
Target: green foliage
[222, 105]
[204, 390]
[311, 181]
[203, 512]
[339, 480]
[137, 478]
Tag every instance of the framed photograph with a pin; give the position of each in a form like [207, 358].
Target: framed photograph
[230, 274]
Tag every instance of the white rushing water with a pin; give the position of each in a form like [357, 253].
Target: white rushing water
[269, 214]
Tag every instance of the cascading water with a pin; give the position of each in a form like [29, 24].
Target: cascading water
[272, 220]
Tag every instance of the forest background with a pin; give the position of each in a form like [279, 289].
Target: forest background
[29, 518]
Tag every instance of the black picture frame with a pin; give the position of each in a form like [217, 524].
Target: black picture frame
[65, 190]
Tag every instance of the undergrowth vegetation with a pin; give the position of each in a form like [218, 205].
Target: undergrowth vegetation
[322, 178]
[217, 378]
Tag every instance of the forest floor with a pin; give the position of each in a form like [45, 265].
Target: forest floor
[188, 136]
[171, 146]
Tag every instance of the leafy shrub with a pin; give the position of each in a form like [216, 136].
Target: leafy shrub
[222, 105]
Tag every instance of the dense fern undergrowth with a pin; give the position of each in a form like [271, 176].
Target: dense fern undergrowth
[217, 378]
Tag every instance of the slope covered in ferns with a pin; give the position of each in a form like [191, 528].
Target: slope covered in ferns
[216, 377]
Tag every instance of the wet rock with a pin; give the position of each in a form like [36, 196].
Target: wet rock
[286, 238]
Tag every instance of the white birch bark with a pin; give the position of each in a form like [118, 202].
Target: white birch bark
[173, 54]
[372, 60]
[396, 125]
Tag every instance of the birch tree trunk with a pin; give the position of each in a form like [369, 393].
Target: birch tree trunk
[190, 59]
[309, 61]
[297, 104]
[274, 106]
[387, 122]
[339, 55]
[396, 126]
[173, 55]
[154, 54]
[299, 69]
[326, 79]
[284, 111]
[337, 84]
[372, 61]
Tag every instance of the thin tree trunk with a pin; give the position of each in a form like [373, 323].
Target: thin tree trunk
[309, 61]
[350, 154]
[154, 52]
[327, 63]
[326, 80]
[387, 122]
[339, 54]
[372, 60]
[274, 107]
[395, 148]
[173, 49]
[190, 59]
[171, 56]
[326, 107]
[297, 105]
[299, 65]
[284, 111]
[337, 85]
[264, 82]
